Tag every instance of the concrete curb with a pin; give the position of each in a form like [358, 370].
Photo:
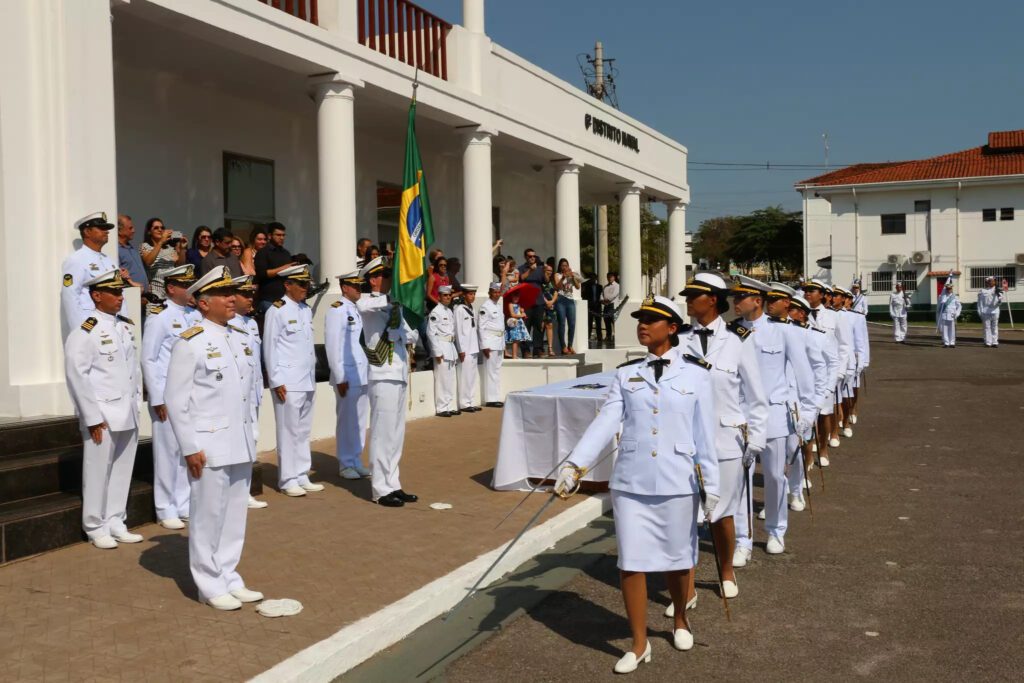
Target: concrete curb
[361, 640]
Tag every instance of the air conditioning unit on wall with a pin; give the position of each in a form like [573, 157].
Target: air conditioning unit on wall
[919, 257]
[895, 259]
[1019, 259]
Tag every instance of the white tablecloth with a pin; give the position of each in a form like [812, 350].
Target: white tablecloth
[540, 426]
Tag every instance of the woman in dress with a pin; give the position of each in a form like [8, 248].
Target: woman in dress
[159, 254]
[663, 405]
[566, 281]
[436, 279]
[257, 240]
[550, 294]
[516, 331]
[202, 243]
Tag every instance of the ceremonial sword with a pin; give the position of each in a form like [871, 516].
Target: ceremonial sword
[714, 544]
[746, 482]
[799, 452]
[817, 454]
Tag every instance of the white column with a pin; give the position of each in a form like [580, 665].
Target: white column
[476, 208]
[567, 213]
[602, 243]
[629, 244]
[676, 249]
[473, 15]
[337, 177]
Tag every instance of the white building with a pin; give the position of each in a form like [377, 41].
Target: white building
[914, 221]
[228, 112]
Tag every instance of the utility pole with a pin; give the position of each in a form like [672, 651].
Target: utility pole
[598, 70]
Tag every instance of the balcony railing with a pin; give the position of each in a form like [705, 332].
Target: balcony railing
[406, 32]
[303, 9]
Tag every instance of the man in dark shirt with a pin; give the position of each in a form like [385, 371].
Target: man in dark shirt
[128, 254]
[221, 254]
[269, 261]
[532, 271]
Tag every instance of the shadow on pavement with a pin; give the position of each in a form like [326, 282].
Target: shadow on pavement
[169, 559]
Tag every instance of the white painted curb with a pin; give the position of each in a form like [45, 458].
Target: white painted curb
[359, 641]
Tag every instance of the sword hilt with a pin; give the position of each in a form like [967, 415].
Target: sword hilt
[580, 473]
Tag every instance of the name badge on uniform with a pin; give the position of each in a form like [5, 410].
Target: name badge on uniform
[636, 379]
[292, 322]
[93, 266]
[215, 354]
[106, 341]
[176, 325]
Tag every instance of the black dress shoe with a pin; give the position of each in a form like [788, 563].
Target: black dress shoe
[404, 497]
[456, 412]
[471, 409]
[391, 500]
[494, 404]
[444, 414]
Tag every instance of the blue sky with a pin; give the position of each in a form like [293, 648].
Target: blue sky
[751, 81]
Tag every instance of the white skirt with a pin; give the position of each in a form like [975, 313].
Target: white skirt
[655, 533]
[730, 488]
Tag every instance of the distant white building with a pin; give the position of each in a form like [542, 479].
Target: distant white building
[914, 221]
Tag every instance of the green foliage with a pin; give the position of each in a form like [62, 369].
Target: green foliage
[767, 237]
[711, 243]
[653, 239]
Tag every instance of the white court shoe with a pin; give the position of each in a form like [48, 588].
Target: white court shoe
[853, 419]
[630, 661]
[294, 491]
[243, 594]
[127, 537]
[824, 461]
[225, 603]
[682, 639]
[257, 504]
[730, 589]
[814, 447]
[350, 473]
[847, 432]
[104, 542]
[834, 443]
[775, 546]
[762, 514]
[312, 487]
[670, 611]
[172, 523]
[740, 556]
[807, 484]
[796, 503]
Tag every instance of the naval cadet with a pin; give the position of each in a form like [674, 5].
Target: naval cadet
[388, 341]
[245, 304]
[663, 404]
[899, 306]
[467, 343]
[492, 344]
[209, 381]
[84, 264]
[859, 302]
[101, 367]
[441, 334]
[291, 370]
[947, 311]
[163, 327]
[343, 330]
[990, 300]
[861, 349]
[824, 318]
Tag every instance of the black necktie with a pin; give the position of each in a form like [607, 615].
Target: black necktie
[814, 313]
[704, 334]
[659, 367]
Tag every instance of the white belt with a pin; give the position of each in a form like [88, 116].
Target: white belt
[447, 338]
[495, 333]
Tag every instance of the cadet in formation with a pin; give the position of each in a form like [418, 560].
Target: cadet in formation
[83, 265]
[245, 294]
[467, 343]
[899, 307]
[492, 344]
[947, 311]
[990, 300]
[441, 335]
[825, 319]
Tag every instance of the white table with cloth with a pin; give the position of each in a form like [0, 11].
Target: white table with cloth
[540, 426]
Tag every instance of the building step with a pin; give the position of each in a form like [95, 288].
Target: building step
[584, 369]
[18, 437]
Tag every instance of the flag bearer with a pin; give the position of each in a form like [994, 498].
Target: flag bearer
[468, 345]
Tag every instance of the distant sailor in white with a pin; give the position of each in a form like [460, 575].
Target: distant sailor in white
[663, 404]
[825, 319]
[467, 343]
[990, 299]
[492, 344]
[441, 334]
[209, 381]
[84, 264]
[102, 371]
[245, 291]
[899, 307]
[947, 311]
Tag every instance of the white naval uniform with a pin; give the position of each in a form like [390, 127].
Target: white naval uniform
[209, 380]
[739, 401]
[388, 386]
[256, 343]
[343, 328]
[101, 368]
[860, 304]
[824, 364]
[467, 342]
[989, 301]
[667, 428]
[775, 350]
[825, 319]
[163, 326]
[441, 333]
[492, 337]
[846, 330]
[948, 310]
[291, 363]
[898, 307]
[861, 345]
[75, 303]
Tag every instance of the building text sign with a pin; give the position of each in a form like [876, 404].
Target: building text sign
[609, 131]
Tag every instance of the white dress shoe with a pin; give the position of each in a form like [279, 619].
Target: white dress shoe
[363, 472]
[740, 557]
[246, 595]
[172, 523]
[670, 611]
[104, 542]
[630, 661]
[294, 491]
[814, 447]
[682, 639]
[127, 537]
[350, 473]
[834, 443]
[312, 487]
[762, 514]
[824, 461]
[183, 518]
[775, 545]
[853, 419]
[226, 602]
[257, 504]
[730, 589]
[807, 484]
[796, 503]
[847, 432]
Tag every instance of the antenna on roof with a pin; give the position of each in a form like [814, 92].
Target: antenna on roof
[599, 74]
[825, 138]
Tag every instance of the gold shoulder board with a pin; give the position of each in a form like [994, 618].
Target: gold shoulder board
[88, 324]
[191, 332]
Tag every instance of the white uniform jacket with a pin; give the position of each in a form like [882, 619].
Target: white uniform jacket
[667, 428]
[247, 360]
[466, 339]
[949, 307]
[492, 326]
[207, 388]
[256, 343]
[825, 377]
[775, 350]
[817, 362]
[441, 333]
[288, 345]
[736, 386]
[343, 327]
[102, 371]
[898, 305]
[861, 347]
[164, 324]
[376, 309]
[826, 319]
[860, 304]
[845, 334]
[75, 303]
[989, 301]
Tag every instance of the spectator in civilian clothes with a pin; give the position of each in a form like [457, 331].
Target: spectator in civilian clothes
[436, 279]
[566, 281]
[202, 242]
[372, 252]
[270, 260]
[221, 254]
[361, 246]
[549, 297]
[454, 267]
[533, 272]
[610, 299]
[159, 252]
[128, 256]
[257, 240]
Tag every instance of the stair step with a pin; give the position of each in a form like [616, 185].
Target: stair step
[584, 369]
[18, 437]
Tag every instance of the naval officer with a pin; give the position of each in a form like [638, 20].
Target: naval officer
[441, 333]
[492, 344]
[82, 265]
[990, 299]
[467, 343]
[291, 370]
[899, 306]
[343, 328]
[947, 311]
[824, 318]
[245, 304]
[663, 404]
[164, 325]
[209, 381]
[102, 373]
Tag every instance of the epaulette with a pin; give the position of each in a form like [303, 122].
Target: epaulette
[817, 330]
[88, 324]
[191, 332]
[238, 329]
[157, 309]
[737, 329]
[777, 319]
[279, 303]
[697, 361]
[335, 304]
[125, 320]
[629, 362]
[800, 324]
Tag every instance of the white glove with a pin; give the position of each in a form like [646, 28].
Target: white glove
[803, 427]
[566, 480]
[751, 455]
[710, 503]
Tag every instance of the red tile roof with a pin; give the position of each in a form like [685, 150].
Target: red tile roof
[1003, 155]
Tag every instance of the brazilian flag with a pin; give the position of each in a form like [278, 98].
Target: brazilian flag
[415, 232]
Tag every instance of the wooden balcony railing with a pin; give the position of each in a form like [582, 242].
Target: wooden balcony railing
[405, 32]
[303, 9]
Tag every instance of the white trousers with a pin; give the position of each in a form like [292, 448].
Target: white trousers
[796, 473]
[468, 373]
[216, 533]
[492, 376]
[170, 474]
[293, 422]
[352, 413]
[444, 386]
[990, 323]
[387, 434]
[899, 328]
[776, 510]
[106, 478]
[948, 328]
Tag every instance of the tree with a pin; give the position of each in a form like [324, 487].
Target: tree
[768, 236]
[653, 239]
[711, 243]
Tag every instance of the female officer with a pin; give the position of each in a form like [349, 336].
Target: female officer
[663, 404]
